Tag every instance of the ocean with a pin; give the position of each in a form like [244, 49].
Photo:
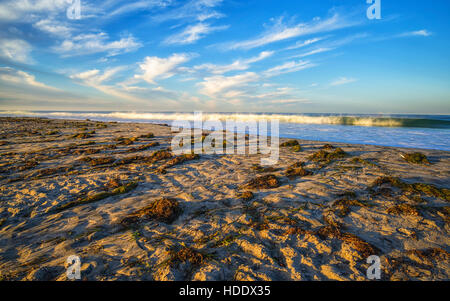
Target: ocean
[409, 131]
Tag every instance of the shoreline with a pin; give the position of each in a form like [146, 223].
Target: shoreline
[404, 148]
[114, 195]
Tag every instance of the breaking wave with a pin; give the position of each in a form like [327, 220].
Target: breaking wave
[418, 121]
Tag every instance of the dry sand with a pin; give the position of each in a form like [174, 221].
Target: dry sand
[110, 203]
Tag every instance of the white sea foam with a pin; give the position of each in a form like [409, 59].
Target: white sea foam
[283, 118]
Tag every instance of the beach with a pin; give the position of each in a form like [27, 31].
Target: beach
[115, 195]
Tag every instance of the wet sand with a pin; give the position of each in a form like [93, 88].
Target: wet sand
[118, 198]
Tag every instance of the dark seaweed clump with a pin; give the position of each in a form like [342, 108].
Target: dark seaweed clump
[164, 210]
[297, 170]
[327, 157]
[263, 182]
[416, 158]
[99, 196]
[289, 143]
[427, 189]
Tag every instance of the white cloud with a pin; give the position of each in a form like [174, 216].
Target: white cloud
[21, 78]
[343, 81]
[15, 50]
[96, 43]
[162, 68]
[288, 67]
[193, 33]
[53, 27]
[214, 85]
[96, 79]
[305, 43]
[332, 45]
[199, 10]
[238, 65]
[314, 51]
[280, 31]
[115, 10]
[25, 10]
[418, 33]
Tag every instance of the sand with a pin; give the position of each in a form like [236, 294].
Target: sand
[132, 215]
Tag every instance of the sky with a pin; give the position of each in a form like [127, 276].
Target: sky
[302, 56]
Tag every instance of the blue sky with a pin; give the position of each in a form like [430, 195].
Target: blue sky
[225, 55]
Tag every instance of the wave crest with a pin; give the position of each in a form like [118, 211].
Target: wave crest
[369, 121]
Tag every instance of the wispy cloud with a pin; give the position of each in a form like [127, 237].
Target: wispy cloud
[215, 85]
[95, 77]
[99, 80]
[54, 27]
[115, 9]
[343, 81]
[161, 68]
[314, 51]
[289, 67]
[417, 33]
[330, 45]
[301, 44]
[281, 31]
[15, 50]
[96, 43]
[25, 10]
[237, 65]
[21, 78]
[193, 10]
[192, 33]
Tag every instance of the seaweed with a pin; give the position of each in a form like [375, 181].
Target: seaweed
[113, 183]
[148, 136]
[327, 157]
[342, 207]
[88, 151]
[289, 143]
[186, 254]
[99, 196]
[178, 160]
[132, 159]
[48, 172]
[142, 147]
[297, 170]
[164, 210]
[427, 189]
[416, 158]
[28, 165]
[296, 148]
[246, 195]
[81, 136]
[263, 182]
[295, 231]
[333, 230]
[52, 133]
[432, 190]
[126, 141]
[430, 254]
[260, 169]
[347, 194]
[403, 209]
[358, 160]
[160, 155]
[99, 160]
